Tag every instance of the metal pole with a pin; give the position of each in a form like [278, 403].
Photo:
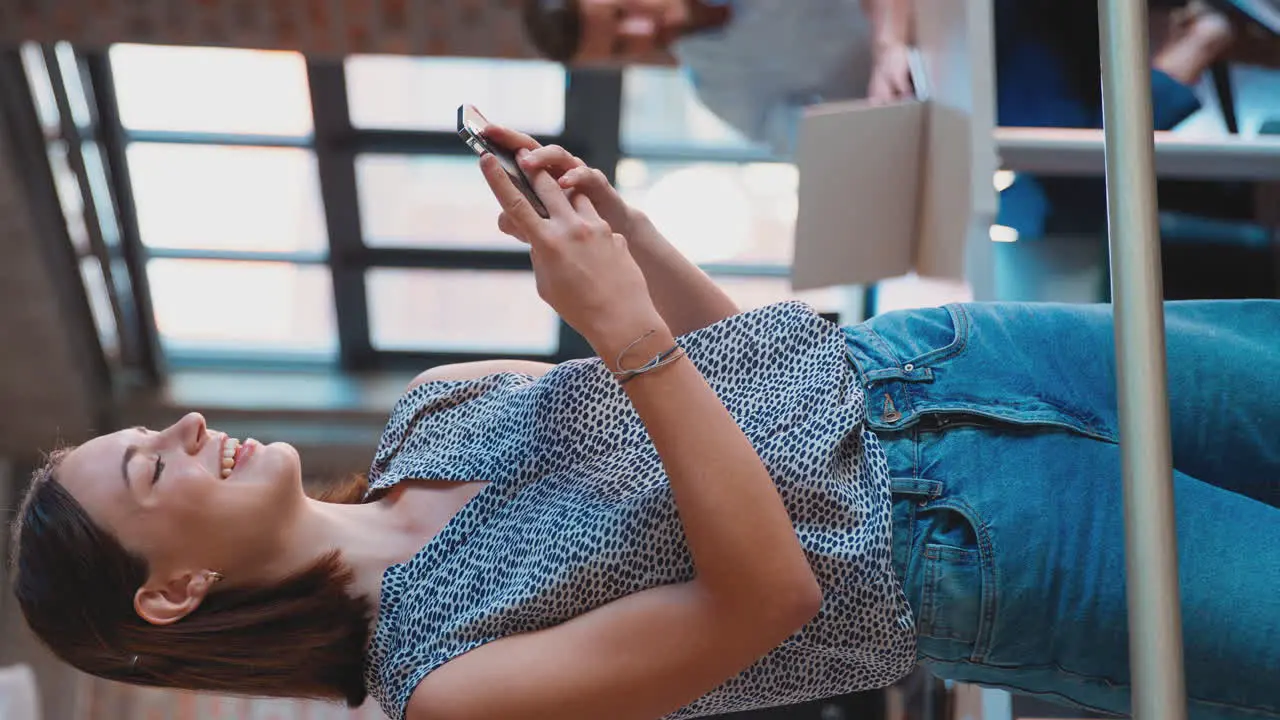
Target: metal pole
[1155, 620]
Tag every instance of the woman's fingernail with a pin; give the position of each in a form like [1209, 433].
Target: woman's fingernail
[522, 153]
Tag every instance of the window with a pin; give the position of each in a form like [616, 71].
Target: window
[71, 78]
[716, 195]
[67, 186]
[751, 293]
[227, 198]
[662, 111]
[270, 227]
[717, 212]
[315, 211]
[439, 279]
[427, 202]
[743, 221]
[459, 310]
[211, 90]
[220, 306]
[96, 177]
[100, 304]
[56, 80]
[424, 93]
[41, 85]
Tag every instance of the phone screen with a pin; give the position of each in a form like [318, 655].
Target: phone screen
[471, 125]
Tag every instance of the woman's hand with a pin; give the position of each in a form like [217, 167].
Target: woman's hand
[573, 176]
[582, 267]
[684, 295]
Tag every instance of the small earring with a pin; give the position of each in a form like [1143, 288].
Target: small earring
[215, 577]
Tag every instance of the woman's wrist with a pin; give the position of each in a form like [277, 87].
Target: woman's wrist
[628, 343]
[639, 227]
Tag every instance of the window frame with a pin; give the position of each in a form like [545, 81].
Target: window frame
[592, 129]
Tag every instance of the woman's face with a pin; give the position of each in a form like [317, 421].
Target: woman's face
[169, 496]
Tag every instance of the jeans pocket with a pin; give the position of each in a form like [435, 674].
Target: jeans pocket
[952, 596]
[951, 602]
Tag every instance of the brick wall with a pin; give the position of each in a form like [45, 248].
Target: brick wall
[45, 394]
[488, 28]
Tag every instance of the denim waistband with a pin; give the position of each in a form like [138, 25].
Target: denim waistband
[1003, 362]
[895, 369]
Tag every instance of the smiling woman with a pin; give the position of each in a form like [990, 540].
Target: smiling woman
[96, 511]
[721, 511]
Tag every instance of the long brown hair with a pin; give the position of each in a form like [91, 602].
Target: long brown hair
[304, 637]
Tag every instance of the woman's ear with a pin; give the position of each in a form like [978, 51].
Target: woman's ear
[166, 602]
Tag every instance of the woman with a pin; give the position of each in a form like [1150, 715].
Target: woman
[725, 511]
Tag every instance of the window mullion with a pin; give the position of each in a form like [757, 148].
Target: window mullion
[139, 313]
[126, 330]
[592, 131]
[335, 158]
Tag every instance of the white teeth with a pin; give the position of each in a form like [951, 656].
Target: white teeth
[229, 447]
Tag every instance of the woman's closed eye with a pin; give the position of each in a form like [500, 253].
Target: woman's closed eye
[159, 469]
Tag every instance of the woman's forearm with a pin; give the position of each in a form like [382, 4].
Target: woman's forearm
[739, 534]
[685, 297]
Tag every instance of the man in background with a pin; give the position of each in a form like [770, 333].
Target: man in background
[757, 63]
[754, 63]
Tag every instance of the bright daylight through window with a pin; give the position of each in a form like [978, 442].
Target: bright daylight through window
[312, 211]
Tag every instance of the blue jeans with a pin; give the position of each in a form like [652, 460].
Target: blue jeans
[999, 424]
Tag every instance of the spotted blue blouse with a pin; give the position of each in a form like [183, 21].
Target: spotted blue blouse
[579, 511]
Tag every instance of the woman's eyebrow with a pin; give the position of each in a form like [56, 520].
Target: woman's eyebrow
[129, 452]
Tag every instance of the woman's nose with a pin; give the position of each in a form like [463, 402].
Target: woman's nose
[189, 430]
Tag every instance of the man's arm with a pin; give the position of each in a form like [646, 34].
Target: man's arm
[891, 25]
[890, 22]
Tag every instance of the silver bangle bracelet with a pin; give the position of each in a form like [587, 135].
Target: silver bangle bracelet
[623, 376]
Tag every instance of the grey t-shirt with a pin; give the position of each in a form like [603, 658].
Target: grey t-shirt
[773, 58]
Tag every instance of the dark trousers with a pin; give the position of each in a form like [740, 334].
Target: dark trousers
[1048, 75]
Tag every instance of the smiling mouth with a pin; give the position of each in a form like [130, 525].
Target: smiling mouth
[234, 452]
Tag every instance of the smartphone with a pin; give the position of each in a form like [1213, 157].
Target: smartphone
[471, 125]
